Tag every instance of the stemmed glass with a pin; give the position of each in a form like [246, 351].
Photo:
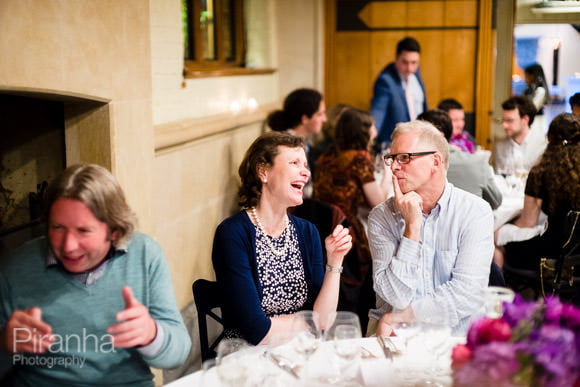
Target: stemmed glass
[435, 335]
[405, 331]
[306, 332]
[493, 299]
[344, 330]
[231, 367]
[337, 319]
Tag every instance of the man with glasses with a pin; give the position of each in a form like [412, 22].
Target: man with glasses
[432, 243]
[522, 147]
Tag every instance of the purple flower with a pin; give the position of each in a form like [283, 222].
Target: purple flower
[553, 310]
[543, 347]
[518, 310]
[491, 362]
[571, 317]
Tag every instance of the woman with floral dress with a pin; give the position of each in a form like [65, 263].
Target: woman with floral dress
[268, 264]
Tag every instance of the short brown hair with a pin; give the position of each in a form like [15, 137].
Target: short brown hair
[261, 154]
[98, 189]
[525, 107]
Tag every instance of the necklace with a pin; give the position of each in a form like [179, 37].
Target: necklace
[268, 238]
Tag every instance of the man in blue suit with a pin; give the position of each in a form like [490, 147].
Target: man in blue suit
[399, 92]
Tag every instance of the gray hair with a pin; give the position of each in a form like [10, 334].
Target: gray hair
[428, 135]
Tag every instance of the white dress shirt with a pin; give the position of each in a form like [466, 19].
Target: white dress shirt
[444, 273]
[417, 94]
[510, 157]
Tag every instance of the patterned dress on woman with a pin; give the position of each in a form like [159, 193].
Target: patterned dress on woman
[339, 180]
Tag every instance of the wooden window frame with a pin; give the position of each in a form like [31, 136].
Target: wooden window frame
[198, 67]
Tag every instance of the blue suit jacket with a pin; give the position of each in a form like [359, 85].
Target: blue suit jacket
[389, 104]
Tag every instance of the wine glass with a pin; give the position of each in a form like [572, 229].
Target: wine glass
[306, 332]
[347, 348]
[340, 318]
[231, 366]
[493, 299]
[405, 331]
[435, 335]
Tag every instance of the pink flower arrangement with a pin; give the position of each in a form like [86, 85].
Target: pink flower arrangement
[532, 344]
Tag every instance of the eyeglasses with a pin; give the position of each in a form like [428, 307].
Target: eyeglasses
[404, 158]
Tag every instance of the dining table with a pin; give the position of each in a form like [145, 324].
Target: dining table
[408, 362]
[512, 188]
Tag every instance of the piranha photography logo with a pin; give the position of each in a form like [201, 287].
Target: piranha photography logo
[64, 350]
[47, 361]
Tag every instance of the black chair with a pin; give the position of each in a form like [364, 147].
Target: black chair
[558, 279]
[496, 276]
[207, 298]
[565, 279]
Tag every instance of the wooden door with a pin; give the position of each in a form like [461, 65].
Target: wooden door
[456, 51]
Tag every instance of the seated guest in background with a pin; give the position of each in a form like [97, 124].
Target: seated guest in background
[332, 116]
[460, 138]
[345, 177]
[466, 171]
[575, 104]
[432, 243]
[521, 149]
[268, 264]
[303, 115]
[92, 303]
[553, 186]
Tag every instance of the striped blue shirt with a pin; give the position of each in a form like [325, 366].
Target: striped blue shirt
[444, 273]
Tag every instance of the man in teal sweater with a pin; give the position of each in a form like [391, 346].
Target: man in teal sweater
[92, 303]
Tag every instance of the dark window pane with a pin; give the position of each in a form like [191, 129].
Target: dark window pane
[228, 28]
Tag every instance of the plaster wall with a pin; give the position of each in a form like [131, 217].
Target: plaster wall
[66, 49]
[195, 182]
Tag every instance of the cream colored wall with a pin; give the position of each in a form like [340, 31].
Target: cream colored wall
[195, 180]
[299, 31]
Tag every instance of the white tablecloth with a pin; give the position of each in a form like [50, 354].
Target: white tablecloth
[408, 368]
[512, 190]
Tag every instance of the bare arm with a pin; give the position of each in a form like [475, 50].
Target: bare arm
[376, 193]
[338, 244]
[530, 213]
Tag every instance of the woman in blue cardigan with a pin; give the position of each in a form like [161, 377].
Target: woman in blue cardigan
[268, 264]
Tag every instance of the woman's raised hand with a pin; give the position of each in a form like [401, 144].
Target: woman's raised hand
[338, 244]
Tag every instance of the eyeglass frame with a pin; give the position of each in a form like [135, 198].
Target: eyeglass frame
[392, 157]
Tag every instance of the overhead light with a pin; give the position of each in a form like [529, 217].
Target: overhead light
[551, 6]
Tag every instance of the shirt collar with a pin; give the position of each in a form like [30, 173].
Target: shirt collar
[443, 202]
[526, 140]
[51, 260]
[408, 80]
